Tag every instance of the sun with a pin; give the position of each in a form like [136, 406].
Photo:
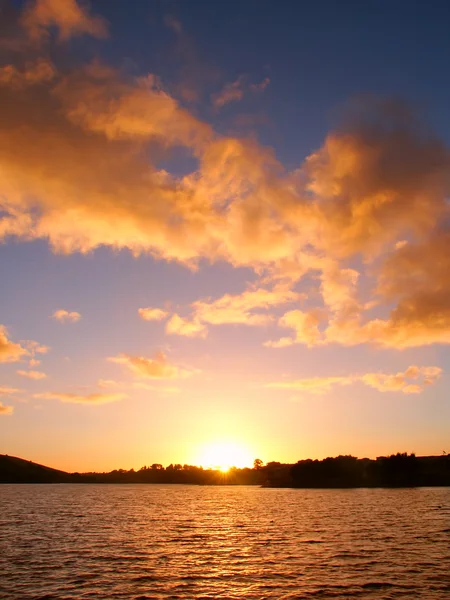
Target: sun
[223, 455]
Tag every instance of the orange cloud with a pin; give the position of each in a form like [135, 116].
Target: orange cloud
[152, 314]
[68, 16]
[32, 374]
[91, 399]
[339, 289]
[313, 385]
[107, 383]
[9, 351]
[6, 410]
[53, 191]
[417, 276]
[35, 347]
[241, 308]
[139, 385]
[80, 155]
[40, 71]
[152, 368]
[400, 381]
[64, 315]
[411, 381]
[379, 177]
[6, 391]
[305, 325]
[176, 325]
[95, 99]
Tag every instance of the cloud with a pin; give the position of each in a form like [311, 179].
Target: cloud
[173, 23]
[34, 362]
[412, 381]
[74, 165]
[64, 315]
[33, 73]
[6, 391]
[122, 111]
[157, 367]
[81, 147]
[235, 91]
[400, 381]
[417, 278]
[260, 87]
[34, 347]
[68, 16]
[414, 278]
[107, 383]
[245, 308]
[91, 399]
[139, 385]
[337, 321]
[32, 374]
[179, 326]
[56, 193]
[6, 410]
[313, 385]
[152, 314]
[9, 351]
[305, 325]
[378, 177]
[231, 92]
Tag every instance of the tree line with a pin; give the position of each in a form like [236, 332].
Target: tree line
[396, 470]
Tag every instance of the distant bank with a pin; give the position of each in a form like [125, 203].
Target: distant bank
[397, 470]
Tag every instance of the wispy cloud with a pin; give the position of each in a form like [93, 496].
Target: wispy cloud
[6, 410]
[164, 389]
[7, 391]
[32, 374]
[412, 381]
[107, 383]
[231, 92]
[89, 399]
[261, 86]
[157, 367]
[235, 91]
[173, 23]
[312, 385]
[34, 347]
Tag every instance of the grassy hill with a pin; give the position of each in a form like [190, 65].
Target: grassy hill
[17, 470]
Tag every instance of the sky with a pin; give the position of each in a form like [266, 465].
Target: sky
[224, 231]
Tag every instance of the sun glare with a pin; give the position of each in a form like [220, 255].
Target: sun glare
[223, 455]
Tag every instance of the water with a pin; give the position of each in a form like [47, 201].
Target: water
[149, 541]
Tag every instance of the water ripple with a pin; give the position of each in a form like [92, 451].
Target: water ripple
[144, 542]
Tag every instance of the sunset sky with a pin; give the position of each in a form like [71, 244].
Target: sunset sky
[223, 224]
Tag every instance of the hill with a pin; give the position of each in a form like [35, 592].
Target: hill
[17, 470]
